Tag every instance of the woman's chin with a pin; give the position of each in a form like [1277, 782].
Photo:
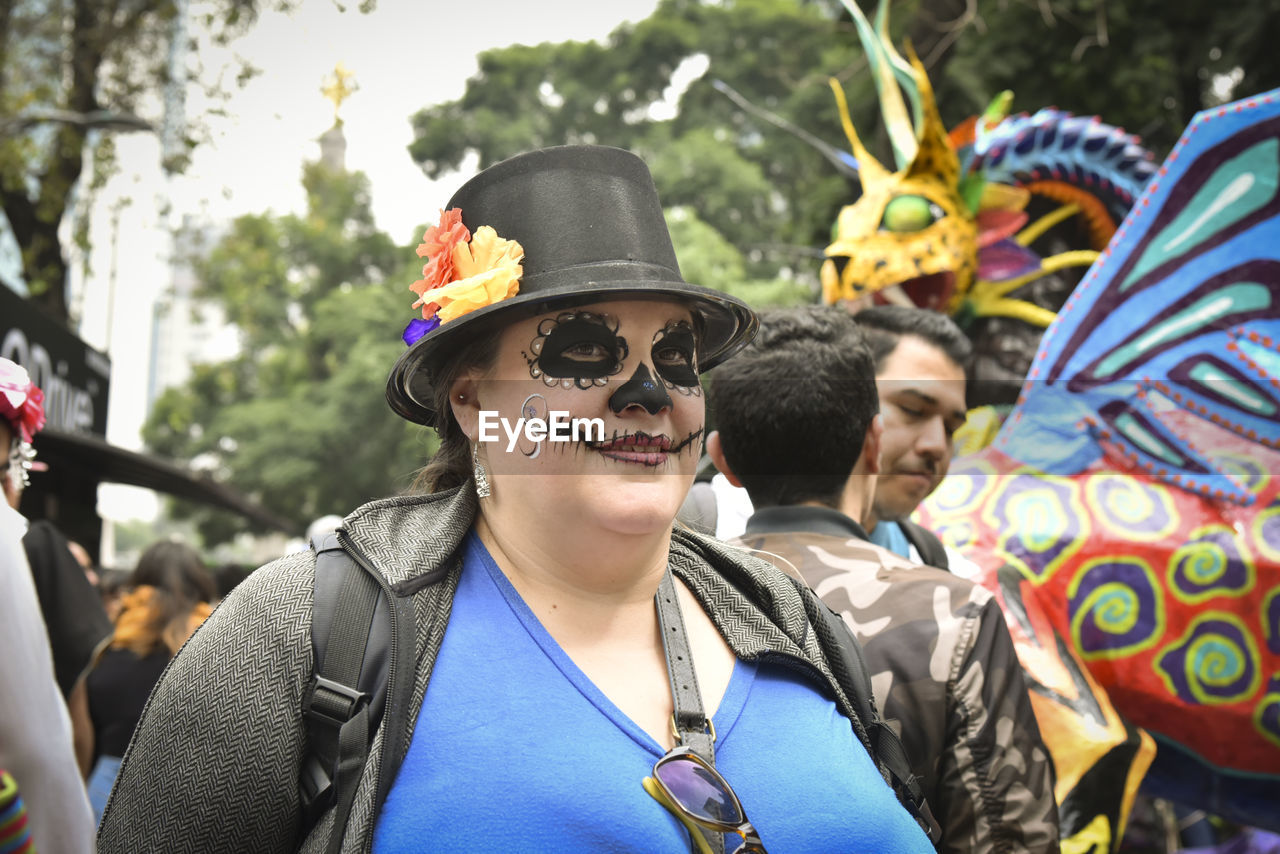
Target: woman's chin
[636, 508]
[625, 500]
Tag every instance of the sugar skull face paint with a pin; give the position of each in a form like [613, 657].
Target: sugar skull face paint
[641, 390]
[577, 348]
[534, 407]
[624, 364]
[675, 357]
[644, 448]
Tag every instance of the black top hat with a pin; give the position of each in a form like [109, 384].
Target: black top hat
[591, 226]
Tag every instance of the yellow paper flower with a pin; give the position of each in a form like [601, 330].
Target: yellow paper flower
[489, 271]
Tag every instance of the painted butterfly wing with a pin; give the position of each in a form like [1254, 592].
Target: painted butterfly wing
[1181, 313]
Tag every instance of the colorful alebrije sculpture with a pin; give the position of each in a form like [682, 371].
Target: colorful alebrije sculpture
[1055, 146]
[1126, 516]
[948, 229]
[1130, 493]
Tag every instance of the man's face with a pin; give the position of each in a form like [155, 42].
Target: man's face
[922, 397]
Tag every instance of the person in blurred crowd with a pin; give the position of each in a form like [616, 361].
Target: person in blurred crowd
[111, 587]
[167, 598]
[798, 427]
[570, 656]
[69, 603]
[228, 577]
[35, 733]
[82, 556]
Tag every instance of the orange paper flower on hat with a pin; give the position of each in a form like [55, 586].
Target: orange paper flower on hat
[465, 272]
[437, 247]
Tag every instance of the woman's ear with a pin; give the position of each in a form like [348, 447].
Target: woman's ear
[464, 398]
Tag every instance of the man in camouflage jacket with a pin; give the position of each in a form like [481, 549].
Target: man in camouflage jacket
[798, 427]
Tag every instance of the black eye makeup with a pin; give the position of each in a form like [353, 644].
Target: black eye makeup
[579, 348]
[675, 357]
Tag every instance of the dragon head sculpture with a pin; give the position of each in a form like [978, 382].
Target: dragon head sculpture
[911, 237]
[947, 228]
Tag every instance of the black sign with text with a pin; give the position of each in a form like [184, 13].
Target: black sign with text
[74, 377]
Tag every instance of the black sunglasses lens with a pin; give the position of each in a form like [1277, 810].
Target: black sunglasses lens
[699, 791]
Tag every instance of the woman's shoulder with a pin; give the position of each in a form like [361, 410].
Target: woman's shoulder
[407, 536]
[285, 578]
[270, 609]
[717, 553]
[738, 589]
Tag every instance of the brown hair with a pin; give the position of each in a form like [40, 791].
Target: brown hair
[451, 464]
[169, 595]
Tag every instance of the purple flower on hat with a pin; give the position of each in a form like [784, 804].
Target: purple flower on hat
[419, 327]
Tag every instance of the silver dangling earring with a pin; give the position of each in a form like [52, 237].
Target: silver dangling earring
[483, 490]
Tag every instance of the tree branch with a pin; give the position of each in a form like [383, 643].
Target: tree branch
[937, 25]
[20, 212]
[131, 19]
[6, 17]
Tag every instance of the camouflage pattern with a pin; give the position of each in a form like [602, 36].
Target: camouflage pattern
[945, 674]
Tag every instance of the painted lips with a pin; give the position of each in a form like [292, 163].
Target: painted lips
[641, 448]
[645, 449]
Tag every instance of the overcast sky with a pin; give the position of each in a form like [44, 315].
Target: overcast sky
[405, 55]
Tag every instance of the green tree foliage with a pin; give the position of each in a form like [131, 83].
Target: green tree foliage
[1144, 65]
[298, 419]
[72, 73]
[763, 190]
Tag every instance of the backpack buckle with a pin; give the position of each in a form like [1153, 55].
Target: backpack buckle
[332, 702]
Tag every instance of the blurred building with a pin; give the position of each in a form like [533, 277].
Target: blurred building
[186, 331]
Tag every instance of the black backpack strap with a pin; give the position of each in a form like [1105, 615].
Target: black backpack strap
[344, 699]
[850, 667]
[932, 552]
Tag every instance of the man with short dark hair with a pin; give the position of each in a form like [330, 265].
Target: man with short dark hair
[920, 358]
[799, 428]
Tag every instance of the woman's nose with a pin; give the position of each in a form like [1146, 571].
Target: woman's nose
[643, 390]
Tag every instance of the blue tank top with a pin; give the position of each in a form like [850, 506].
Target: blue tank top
[515, 749]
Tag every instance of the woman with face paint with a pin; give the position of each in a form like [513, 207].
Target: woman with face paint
[583, 678]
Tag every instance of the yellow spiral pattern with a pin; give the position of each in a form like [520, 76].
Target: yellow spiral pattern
[1203, 567]
[1132, 509]
[1214, 663]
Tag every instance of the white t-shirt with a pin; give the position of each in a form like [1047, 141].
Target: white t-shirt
[35, 730]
